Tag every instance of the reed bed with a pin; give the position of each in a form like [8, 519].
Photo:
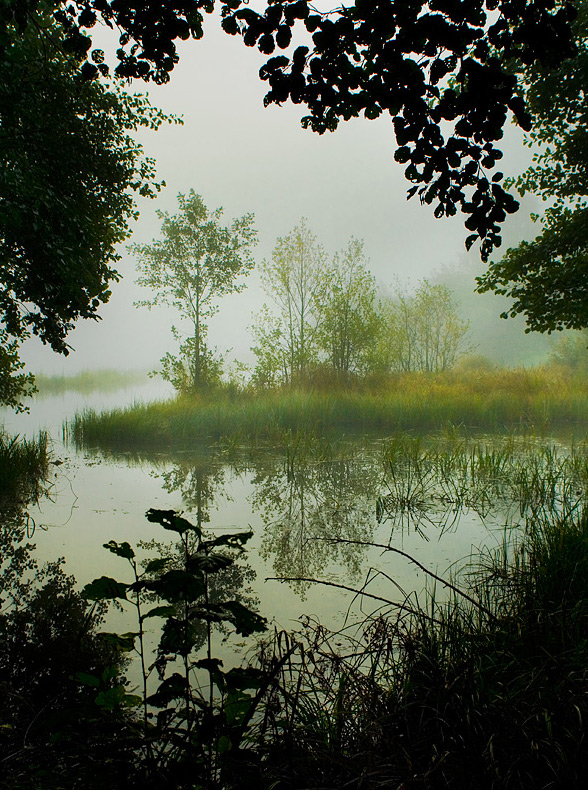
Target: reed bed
[24, 467]
[485, 689]
[434, 480]
[486, 400]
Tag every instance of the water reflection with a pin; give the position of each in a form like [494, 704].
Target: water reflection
[305, 506]
[201, 481]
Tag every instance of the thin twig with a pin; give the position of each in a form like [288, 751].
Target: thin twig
[397, 605]
[443, 581]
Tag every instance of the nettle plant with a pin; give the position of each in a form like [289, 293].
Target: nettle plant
[195, 715]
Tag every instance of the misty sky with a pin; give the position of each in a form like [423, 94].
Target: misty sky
[247, 158]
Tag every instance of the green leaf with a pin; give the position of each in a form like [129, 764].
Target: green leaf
[209, 664]
[123, 642]
[179, 585]
[245, 678]
[224, 744]
[154, 566]
[172, 688]
[160, 611]
[237, 706]
[87, 680]
[170, 520]
[245, 620]
[213, 666]
[120, 549]
[104, 588]
[117, 697]
[209, 563]
[233, 540]
[178, 637]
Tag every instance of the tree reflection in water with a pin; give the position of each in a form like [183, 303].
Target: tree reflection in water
[307, 504]
[202, 483]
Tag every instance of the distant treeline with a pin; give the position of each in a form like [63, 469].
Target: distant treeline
[89, 381]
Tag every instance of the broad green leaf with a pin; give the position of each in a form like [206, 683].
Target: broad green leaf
[234, 540]
[179, 585]
[237, 706]
[245, 620]
[104, 588]
[223, 744]
[87, 680]
[170, 520]
[212, 665]
[123, 642]
[120, 549]
[160, 611]
[170, 689]
[154, 566]
[117, 697]
[245, 678]
[209, 563]
[178, 637]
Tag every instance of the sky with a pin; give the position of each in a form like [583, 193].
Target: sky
[246, 158]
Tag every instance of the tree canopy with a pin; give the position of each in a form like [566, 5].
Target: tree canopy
[329, 320]
[68, 169]
[447, 71]
[548, 277]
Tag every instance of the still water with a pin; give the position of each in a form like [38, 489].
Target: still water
[311, 509]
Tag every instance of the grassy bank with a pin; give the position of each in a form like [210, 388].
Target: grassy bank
[492, 400]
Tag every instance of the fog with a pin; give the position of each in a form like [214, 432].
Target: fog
[247, 158]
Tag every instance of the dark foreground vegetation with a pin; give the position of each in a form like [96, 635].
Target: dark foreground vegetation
[481, 682]
[538, 398]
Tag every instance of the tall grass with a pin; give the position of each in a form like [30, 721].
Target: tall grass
[492, 400]
[24, 467]
[483, 690]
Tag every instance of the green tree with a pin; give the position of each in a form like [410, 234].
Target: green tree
[547, 278]
[570, 351]
[68, 169]
[286, 340]
[348, 322]
[421, 332]
[195, 263]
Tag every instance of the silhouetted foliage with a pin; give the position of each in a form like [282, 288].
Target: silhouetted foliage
[546, 277]
[445, 71]
[68, 170]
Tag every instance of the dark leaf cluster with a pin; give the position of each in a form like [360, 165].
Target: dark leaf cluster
[547, 278]
[436, 66]
[68, 170]
[444, 70]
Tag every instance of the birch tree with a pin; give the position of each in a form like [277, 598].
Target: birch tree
[421, 331]
[195, 263]
[348, 322]
[286, 339]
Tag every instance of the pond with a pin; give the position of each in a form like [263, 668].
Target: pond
[322, 510]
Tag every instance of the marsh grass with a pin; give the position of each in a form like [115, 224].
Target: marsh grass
[24, 467]
[484, 690]
[435, 480]
[492, 400]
